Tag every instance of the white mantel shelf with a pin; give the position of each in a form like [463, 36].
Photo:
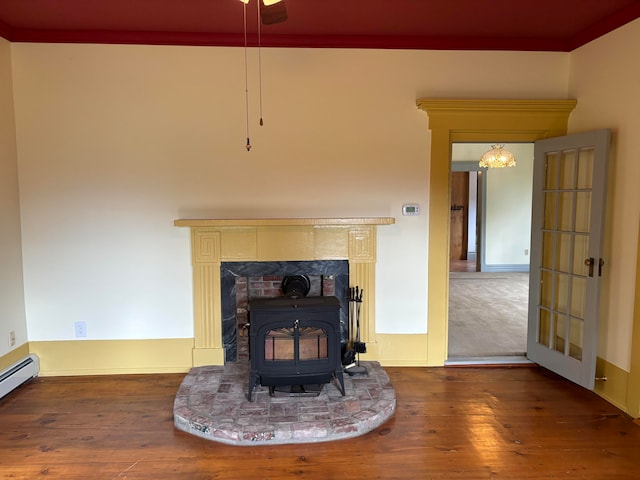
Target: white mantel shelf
[279, 222]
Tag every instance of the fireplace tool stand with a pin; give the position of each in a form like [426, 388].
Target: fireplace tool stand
[355, 347]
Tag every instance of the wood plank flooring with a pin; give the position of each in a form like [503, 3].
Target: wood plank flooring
[451, 423]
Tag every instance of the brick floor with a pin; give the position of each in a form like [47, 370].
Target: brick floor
[212, 403]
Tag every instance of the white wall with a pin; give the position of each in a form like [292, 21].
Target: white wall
[12, 314]
[118, 141]
[605, 79]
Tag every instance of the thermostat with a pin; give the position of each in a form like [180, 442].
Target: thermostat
[411, 209]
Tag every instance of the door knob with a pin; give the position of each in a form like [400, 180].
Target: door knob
[590, 262]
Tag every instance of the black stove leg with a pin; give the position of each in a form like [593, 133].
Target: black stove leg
[253, 381]
[340, 378]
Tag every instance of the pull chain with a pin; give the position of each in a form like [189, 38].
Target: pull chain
[246, 77]
[260, 63]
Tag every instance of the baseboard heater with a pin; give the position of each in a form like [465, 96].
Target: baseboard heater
[19, 373]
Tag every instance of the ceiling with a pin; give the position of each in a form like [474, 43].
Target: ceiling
[526, 25]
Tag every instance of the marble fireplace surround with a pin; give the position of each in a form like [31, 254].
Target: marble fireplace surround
[218, 241]
[338, 270]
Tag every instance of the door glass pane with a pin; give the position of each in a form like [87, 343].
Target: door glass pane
[563, 259]
[551, 172]
[583, 211]
[585, 168]
[561, 293]
[580, 253]
[549, 211]
[544, 323]
[547, 250]
[546, 289]
[560, 337]
[576, 326]
[565, 211]
[578, 296]
[567, 169]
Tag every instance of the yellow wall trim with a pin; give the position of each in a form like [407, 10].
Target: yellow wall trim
[14, 356]
[108, 357]
[282, 222]
[614, 388]
[633, 392]
[398, 350]
[177, 355]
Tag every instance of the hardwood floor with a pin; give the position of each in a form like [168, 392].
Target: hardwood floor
[451, 423]
[462, 265]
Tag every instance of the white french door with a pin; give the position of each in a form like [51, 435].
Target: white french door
[569, 183]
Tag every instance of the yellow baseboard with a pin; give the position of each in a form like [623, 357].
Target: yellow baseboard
[398, 350]
[108, 357]
[178, 355]
[208, 356]
[14, 355]
[614, 388]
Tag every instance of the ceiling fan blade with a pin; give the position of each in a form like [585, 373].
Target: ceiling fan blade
[271, 14]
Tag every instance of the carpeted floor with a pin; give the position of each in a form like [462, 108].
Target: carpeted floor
[488, 314]
[212, 403]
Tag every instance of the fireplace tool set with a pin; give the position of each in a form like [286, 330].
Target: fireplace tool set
[355, 347]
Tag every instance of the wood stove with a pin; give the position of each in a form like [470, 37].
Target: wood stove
[294, 341]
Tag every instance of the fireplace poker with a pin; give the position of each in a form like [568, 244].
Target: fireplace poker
[352, 320]
[358, 346]
[350, 352]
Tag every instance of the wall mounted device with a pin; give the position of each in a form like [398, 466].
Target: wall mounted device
[411, 209]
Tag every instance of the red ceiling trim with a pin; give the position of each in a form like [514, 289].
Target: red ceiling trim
[6, 31]
[616, 20]
[126, 37]
[289, 41]
[623, 16]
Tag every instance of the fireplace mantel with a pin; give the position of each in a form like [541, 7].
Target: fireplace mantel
[280, 222]
[214, 241]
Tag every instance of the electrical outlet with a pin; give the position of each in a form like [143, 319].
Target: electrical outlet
[12, 339]
[81, 329]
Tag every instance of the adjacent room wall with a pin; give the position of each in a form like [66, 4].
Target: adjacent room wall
[506, 213]
[605, 79]
[12, 313]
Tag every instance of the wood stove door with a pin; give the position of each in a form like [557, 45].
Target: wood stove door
[294, 347]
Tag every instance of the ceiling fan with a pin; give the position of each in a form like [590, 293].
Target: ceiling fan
[271, 11]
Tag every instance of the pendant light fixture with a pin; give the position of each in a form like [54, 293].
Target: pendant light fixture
[497, 157]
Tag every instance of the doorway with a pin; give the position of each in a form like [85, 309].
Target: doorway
[470, 120]
[490, 229]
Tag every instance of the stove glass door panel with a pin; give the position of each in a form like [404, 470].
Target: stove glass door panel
[280, 344]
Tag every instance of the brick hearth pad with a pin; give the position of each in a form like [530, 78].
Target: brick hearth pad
[212, 403]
